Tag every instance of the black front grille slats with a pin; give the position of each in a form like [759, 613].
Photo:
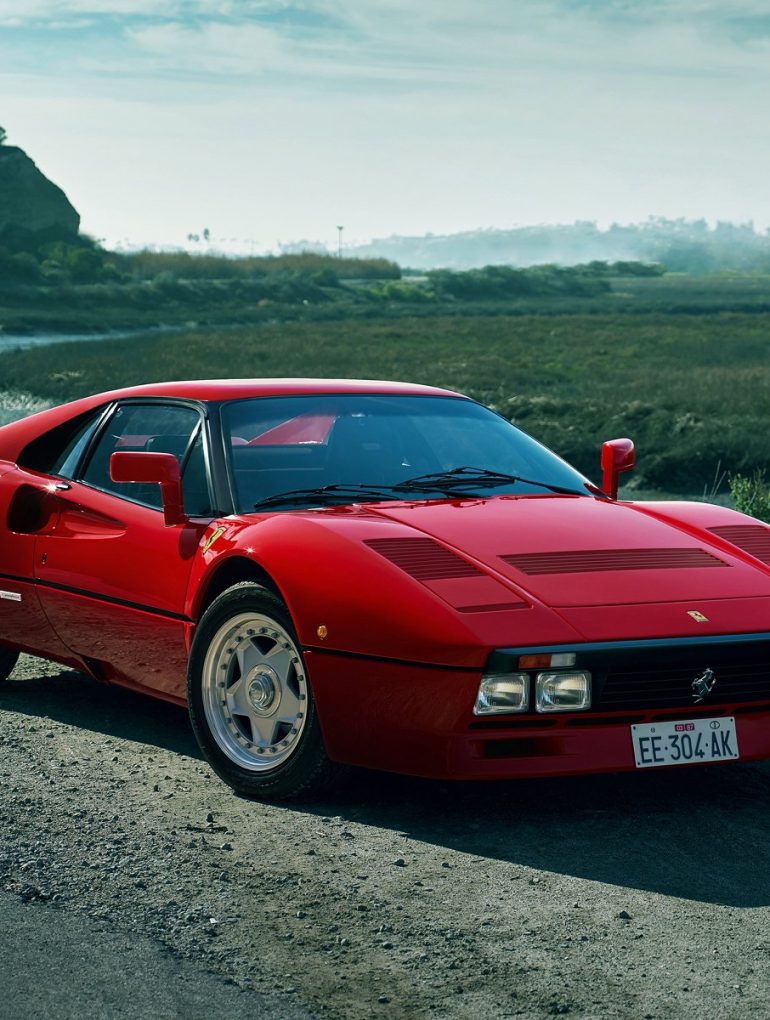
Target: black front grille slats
[664, 687]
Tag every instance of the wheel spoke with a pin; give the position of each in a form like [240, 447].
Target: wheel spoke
[291, 706]
[279, 659]
[237, 697]
[248, 656]
[263, 727]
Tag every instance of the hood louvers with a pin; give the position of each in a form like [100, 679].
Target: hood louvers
[752, 538]
[422, 558]
[454, 580]
[593, 560]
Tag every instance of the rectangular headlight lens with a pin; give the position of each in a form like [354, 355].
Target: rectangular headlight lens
[502, 692]
[565, 691]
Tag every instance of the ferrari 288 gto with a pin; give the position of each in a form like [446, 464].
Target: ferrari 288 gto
[383, 575]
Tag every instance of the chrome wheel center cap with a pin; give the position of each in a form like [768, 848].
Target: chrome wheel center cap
[264, 690]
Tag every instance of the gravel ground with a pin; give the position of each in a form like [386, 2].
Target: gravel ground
[644, 895]
[60, 964]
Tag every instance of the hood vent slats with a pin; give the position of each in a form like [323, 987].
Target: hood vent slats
[591, 560]
[752, 538]
[422, 558]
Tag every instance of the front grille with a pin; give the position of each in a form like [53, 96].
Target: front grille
[666, 687]
[652, 675]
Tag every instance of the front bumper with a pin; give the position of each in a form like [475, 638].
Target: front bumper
[415, 719]
[589, 744]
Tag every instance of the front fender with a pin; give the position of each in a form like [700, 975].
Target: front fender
[345, 597]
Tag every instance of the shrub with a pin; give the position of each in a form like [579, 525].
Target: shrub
[751, 495]
[506, 282]
[146, 265]
[394, 291]
[21, 267]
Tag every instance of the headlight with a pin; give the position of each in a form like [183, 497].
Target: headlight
[565, 691]
[502, 692]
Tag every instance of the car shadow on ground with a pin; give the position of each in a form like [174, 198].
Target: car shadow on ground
[697, 833]
[78, 700]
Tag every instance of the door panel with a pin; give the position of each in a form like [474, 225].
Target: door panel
[122, 644]
[113, 583]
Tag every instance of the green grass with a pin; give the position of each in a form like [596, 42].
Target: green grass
[294, 295]
[691, 390]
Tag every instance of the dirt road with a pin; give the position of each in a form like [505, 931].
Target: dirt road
[644, 895]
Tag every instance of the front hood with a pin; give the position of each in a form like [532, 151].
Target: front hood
[580, 551]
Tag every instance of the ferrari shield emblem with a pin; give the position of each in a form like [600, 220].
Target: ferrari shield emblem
[212, 538]
[698, 617]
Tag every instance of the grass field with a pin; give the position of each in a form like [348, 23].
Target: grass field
[73, 307]
[692, 390]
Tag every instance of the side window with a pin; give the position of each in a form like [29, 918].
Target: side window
[57, 452]
[67, 462]
[156, 428]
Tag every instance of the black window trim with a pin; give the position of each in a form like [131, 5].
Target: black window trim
[200, 429]
[94, 417]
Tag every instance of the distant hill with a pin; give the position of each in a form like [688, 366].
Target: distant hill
[33, 210]
[682, 245]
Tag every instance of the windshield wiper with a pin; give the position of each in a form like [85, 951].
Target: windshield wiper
[455, 482]
[463, 478]
[325, 494]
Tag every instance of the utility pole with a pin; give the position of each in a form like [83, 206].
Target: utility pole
[339, 242]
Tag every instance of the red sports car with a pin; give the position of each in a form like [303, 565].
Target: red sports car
[379, 574]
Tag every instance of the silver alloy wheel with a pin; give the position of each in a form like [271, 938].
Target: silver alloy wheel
[254, 692]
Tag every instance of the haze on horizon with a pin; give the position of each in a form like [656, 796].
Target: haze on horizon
[270, 121]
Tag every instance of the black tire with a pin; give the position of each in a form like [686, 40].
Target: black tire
[247, 623]
[8, 659]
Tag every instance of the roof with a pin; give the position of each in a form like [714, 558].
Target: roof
[14, 437]
[235, 389]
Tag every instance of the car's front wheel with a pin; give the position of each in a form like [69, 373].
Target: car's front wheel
[250, 700]
[8, 659]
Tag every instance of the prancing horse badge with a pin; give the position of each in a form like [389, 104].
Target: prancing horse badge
[698, 617]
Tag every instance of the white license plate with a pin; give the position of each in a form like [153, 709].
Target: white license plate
[684, 742]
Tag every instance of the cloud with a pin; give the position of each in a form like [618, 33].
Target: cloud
[30, 11]
[214, 46]
[390, 43]
[459, 52]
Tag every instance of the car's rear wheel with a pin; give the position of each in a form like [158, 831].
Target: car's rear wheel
[250, 700]
[8, 658]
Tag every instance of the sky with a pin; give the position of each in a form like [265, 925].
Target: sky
[273, 121]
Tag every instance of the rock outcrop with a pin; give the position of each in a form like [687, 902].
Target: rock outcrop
[32, 208]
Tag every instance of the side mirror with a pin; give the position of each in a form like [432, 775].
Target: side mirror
[162, 468]
[617, 457]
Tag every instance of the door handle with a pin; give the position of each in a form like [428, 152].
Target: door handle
[62, 486]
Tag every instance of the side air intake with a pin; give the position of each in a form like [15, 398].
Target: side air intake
[591, 560]
[422, 558]
[752, 538]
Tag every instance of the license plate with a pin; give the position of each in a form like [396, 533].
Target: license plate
[684, 742]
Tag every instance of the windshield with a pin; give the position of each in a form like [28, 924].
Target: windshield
[307, 451]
